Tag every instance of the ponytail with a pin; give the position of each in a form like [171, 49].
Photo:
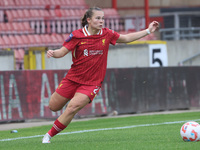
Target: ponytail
[88, 14]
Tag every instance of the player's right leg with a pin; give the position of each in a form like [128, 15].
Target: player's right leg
[76, 104]
[56, 103]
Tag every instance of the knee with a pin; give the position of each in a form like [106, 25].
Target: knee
[73, 109]
[57, 102]
[53, 108]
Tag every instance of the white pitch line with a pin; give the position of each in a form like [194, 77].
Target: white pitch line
[102, 129]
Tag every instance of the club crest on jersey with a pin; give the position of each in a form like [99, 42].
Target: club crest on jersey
[69, 38]
[103, 41]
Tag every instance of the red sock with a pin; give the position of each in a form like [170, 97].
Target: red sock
[57, 127]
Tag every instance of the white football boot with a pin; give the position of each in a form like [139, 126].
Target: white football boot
[46, 138]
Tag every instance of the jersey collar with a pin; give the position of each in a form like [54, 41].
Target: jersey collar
[86, 32]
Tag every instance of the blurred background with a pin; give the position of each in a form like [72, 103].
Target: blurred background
[156, 73]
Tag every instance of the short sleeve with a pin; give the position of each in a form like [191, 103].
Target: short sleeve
[71, 42]
[114, 36]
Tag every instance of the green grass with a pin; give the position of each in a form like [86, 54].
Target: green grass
[155, 136]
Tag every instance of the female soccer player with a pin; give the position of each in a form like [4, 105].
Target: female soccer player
[89, 47]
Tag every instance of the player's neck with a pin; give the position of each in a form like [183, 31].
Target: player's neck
[92, 31]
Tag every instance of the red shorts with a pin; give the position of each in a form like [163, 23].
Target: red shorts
[68, 88]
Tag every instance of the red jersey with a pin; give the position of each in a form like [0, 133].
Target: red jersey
[89, 55]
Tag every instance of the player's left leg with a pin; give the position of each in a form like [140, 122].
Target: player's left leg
[57, 102]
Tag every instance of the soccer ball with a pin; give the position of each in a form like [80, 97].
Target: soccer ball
[190, 131]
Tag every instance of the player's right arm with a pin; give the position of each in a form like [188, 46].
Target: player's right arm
[58, 52]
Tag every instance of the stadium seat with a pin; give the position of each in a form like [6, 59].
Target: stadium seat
[47, 39]
[37, 39]
[19, 58]
[27, 15]
[38, 4]
[59, 38]
[1, 16]
[27, 28]
[2, 28]
[21, 15]
[54, 39]
[9, 15]
[23, 4]
[20, 41]
[77, 3]
[44, 13]
[65, 36]
[6, 28]
[57, 13]
[19, 53]
[25, 40]
[14, 41]
[52, 13]
[6, 41]
[110, 12]
[15, 28]
[15, 14]
[42, 4]
[10, 41]
[35, 14]
[8, 4]
[53, 2]
[2, 43]
[32, 40]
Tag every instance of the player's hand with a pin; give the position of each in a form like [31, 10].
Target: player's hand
[50, 53]
[153, 26]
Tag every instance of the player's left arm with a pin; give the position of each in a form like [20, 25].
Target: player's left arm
[137, 35]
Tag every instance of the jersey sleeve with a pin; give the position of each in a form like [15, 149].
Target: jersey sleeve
[114, 36]
[71, 42]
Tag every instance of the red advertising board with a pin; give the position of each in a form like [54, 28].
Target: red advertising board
[25, 94]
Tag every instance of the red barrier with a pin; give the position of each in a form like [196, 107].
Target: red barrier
[26, 94]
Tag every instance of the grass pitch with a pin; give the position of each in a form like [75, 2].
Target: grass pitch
[151, 132]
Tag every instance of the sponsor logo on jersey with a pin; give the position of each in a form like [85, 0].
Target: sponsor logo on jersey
[92, 52]
[85, 52]
[96, 52]
[69, 38]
